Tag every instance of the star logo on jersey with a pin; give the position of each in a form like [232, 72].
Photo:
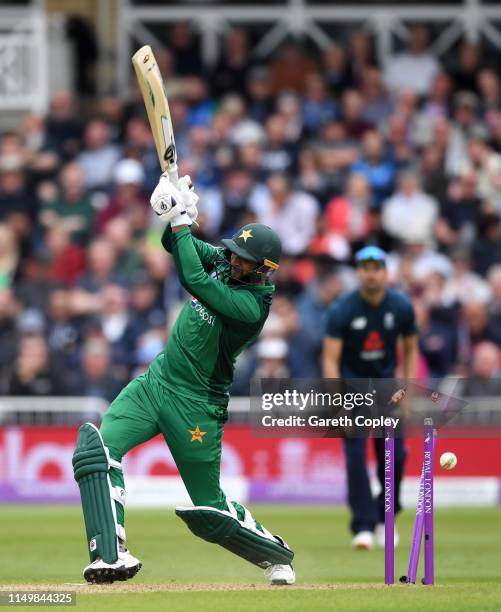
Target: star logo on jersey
[197, 434]
[246, 234]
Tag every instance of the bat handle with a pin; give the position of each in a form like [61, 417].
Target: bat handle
[173, 175]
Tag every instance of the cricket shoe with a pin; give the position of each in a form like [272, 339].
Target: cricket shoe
[363, 540]
[280, 574]
[124, 568]
[379, 536]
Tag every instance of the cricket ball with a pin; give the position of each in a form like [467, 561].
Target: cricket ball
[448, 461]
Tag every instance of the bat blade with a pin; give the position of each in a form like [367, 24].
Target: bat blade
[157, 107]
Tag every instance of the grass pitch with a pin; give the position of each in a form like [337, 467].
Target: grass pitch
[45, 546]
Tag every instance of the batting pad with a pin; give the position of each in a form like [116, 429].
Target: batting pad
[239, 537]
[91, 464]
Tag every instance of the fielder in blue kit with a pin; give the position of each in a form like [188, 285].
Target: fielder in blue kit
[362, 331]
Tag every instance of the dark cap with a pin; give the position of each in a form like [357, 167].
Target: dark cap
[256, 242]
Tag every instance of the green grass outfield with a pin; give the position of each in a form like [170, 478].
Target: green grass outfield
[46, 546]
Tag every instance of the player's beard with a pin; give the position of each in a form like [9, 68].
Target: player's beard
[235, 275]
[239, 276]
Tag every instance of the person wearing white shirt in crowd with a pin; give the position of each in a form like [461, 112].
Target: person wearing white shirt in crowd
[413, 69]
[410, 213]
[292, 214]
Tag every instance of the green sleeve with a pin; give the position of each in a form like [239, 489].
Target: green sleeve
[229, 303]
[206, 252]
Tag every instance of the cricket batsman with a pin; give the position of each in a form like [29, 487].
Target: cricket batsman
[184, 396]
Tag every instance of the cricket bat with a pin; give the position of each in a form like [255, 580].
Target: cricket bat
[157, 107]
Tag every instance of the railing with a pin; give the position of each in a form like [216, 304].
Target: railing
[300, 18]
[23, 59]
[50, 410]
[480, 411]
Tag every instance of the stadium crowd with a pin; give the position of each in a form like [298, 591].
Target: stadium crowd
[329, 148]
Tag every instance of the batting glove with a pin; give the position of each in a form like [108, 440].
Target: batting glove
[175, 204]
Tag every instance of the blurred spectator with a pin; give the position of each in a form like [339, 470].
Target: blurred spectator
[128, 199]
[291, 68]
[360, 56]
[377, 103]
[99, 155]
[114, 319]
[489, 91]
[494, 278]
[42, 159]
[380, 172]
[469, 58]
[398, 141]
[96, 377]
[8, 336]
[278, 155]
[464, 125]
[475, 328]
[317, 105]
[226, 206]
[289, 107]
[101, 266]
[484, 378]
[63, 333]
[291, 214]
[352, 107]
[458, 218]
[184, 46]
[437, 341]
[9, 255]
[64, 130]
[486, 251]
[312, 307]
[72, 207]
[149, 345]
[272, 355]
[113, 112]
[335, 69]
[67, 261]
[409, 215]
[139, 144]
[36, 284]
[309, 178]
[437, 105]
[259, 91]
[201, 105]
[18, 204]
[464, 284]
[415, 68]
[33, 372]
[147, 310]
[230, 74]
[435, 180]
[119, 233]
[336, 154]
[348, 215]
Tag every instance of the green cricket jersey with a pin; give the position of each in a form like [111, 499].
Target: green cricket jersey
[219, 321]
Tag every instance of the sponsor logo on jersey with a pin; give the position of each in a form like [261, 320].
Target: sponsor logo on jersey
[389, 320]
[359, 323]
[202, 312]
[373, 347]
